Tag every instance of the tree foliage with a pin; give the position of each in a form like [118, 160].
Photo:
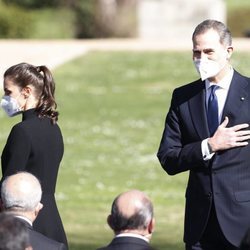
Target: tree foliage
[92, 18]
[14, 22]
[34, 3]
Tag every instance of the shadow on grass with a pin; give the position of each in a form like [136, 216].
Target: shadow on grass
[167, 246]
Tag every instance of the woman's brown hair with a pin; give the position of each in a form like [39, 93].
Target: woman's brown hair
[41, 79]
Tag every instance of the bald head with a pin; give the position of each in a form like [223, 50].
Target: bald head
[131, 202]
[131, 210]
[21, 191]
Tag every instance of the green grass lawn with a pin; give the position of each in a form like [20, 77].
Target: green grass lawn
[112, 109]
[231, 4]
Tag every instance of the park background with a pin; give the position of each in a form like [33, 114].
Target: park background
[112, 108]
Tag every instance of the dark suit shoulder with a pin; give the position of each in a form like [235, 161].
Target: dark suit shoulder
[124, 243]
[190, 87]
[188, 91]
[240, 79]
[41, 242]
[237, 74]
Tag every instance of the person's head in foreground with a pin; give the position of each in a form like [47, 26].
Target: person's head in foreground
[132, 212]
[13, 233]
[21, 194]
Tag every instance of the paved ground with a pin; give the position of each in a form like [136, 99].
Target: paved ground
[55, 52]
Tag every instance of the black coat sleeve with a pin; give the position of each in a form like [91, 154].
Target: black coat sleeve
[16, 151]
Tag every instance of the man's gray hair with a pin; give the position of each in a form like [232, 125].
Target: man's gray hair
[22, 201]
[221, 28]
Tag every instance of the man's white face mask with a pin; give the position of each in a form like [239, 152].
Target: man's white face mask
[207, 68]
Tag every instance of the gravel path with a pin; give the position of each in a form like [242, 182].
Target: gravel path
[55, 52]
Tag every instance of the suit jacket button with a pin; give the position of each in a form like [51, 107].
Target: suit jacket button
[209, 194]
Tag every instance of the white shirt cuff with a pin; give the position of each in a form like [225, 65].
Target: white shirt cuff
[205, 150]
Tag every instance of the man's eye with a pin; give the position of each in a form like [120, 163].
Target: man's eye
[210, 52]
[196, 53]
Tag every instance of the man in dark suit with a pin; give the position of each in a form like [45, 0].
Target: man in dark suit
[132, 221]
[206, 133]
[21, 195]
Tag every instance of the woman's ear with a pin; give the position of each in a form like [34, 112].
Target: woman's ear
[26, 91]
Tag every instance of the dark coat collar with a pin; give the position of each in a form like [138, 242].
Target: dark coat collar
[28, 114]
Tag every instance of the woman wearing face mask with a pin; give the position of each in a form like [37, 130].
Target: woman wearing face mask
[35, 144]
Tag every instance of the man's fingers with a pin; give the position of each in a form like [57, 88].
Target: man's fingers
[243, 138]
[236, 127]
[240, 126]
[241, 144]
[242, 132]
[225, 122]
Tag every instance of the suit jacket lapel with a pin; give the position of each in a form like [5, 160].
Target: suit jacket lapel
[198, 111]
[236, 106]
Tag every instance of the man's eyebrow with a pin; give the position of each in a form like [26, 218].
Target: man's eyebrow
[204, 50]
[209, 50]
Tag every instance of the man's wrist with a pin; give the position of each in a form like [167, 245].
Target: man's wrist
[211, 151]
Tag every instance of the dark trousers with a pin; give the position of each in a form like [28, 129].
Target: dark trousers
[212, 238]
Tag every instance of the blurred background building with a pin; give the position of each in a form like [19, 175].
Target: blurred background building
[168, 19]
[146, 19]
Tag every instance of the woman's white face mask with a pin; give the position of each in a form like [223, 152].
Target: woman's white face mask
[10, 106]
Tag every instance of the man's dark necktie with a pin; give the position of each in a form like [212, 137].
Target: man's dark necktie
[212, 111]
